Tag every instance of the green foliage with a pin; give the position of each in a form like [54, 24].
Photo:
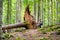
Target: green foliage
[42, 30]
[58, 32]
[18, 38]
[43, 39]
[12, 6]
[46, 29]
[46, 6]
[19, 29]
[6, 36]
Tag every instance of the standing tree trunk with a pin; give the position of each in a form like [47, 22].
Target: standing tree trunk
[42, 12]
[1, 3]
[9, 13]
[18, 10]
[38, 10]
[57, 11]
[35, 8]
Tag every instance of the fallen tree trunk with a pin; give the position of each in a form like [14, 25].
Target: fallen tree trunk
[18, 25]
[11, 26]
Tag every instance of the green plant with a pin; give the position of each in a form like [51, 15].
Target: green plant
[58, 32]
[18, 38]
[43, 39]
[44, 31]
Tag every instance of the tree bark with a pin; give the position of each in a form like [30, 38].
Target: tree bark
[18, 25]
[35, 9]
[38, 10]
[18, 10]
[9, 13]
[1, 3]
[11, 26]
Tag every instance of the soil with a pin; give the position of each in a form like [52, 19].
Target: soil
[34, 34]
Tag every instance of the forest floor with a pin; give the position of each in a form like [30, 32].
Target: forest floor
[44, 33]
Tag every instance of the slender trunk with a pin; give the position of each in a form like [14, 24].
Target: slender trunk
[57, 11]
[35, 8]
[9, 13]
[1, 3]
[52, 11]
[38, 10]
[18, 10]
[42, 12]
[49, 12]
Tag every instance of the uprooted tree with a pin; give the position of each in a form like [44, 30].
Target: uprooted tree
[29, 22]
[29, 19]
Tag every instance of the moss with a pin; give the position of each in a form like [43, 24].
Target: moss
[58, 32]
[39, 29]
[34, 35]
[49, 29]
[44, 32]
[43, 39]
[11, 36]
[20, 29]
[7, 36]
[26, 22]
[19, 38]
